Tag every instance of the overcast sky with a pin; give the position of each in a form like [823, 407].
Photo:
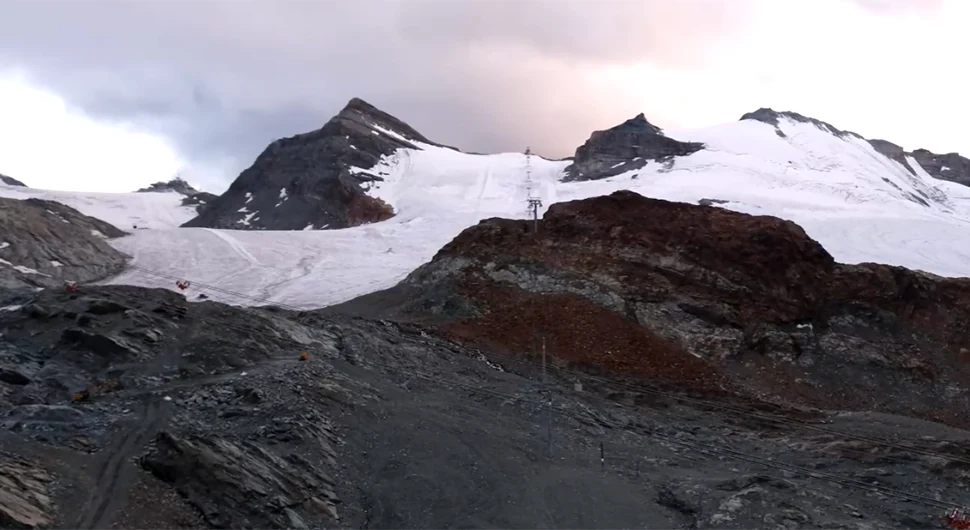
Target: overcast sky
[106, 95]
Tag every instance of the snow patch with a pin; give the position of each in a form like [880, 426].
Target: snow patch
[55, 263]
[283, 197]
[390, 133]
[4, 245]
[944, 168]
[249, 197]
[245, 220]
[57, 215]
[98, 233]
[22, 269]
[11, 308]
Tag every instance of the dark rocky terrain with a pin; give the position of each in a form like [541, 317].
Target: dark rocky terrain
[705, 297]
[713, 373]
[43, 243]
[203, 416]
[951, 166]
[10, 181]
[192, 196]
[628, 146]
[306, 180]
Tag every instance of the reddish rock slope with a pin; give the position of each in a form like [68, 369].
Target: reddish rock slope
[703, 297]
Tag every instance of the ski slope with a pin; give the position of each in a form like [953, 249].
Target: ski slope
[860, 205]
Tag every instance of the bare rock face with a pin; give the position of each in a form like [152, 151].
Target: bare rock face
[193, 197]
[241, 484]
[177, 185]
[706, 298]
[312, 180]
[951, 166]
[626, 147]
[10, 181]
[43, 243]
[123, 414]
[25, 500]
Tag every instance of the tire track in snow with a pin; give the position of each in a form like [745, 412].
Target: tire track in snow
[236, 245]
[307, 265]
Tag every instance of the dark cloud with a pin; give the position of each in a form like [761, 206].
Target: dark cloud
[223, 79]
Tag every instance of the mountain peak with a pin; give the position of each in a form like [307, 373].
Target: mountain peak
[176, 185]
[317, 179]
[640, 122]
[625, 147]
[773, 117]
[359, 105]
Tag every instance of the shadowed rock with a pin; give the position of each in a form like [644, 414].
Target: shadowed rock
[315, 180]
[623, 148]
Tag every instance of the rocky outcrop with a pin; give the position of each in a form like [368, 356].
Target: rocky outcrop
[771, 117]
[314, 180]
[951, 166]
[705, 297]
[10, 181]
[193, 197]
[177, 185]
[25, 497]
[200, 200]
[206, 417]
[626, 147]
[43, 243]
[242, 484]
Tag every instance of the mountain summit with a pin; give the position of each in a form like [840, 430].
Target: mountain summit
[629, 145]
[307, 181]
[950, 166]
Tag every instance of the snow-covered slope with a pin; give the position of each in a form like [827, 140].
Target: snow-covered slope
[124, 210]
[859, 204]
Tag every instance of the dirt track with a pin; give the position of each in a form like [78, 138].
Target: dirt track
[115, 469]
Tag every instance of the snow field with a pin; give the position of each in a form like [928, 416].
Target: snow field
[860, 205]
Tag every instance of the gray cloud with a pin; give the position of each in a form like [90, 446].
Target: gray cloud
[223, 79]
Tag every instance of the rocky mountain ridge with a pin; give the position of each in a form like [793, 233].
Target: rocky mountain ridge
[177, 185]
[10, 181]
[698, 295]
[625, 147]
[950, 166]
[193, 197]
[308, 181]
[318, 180]
[44, 243]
